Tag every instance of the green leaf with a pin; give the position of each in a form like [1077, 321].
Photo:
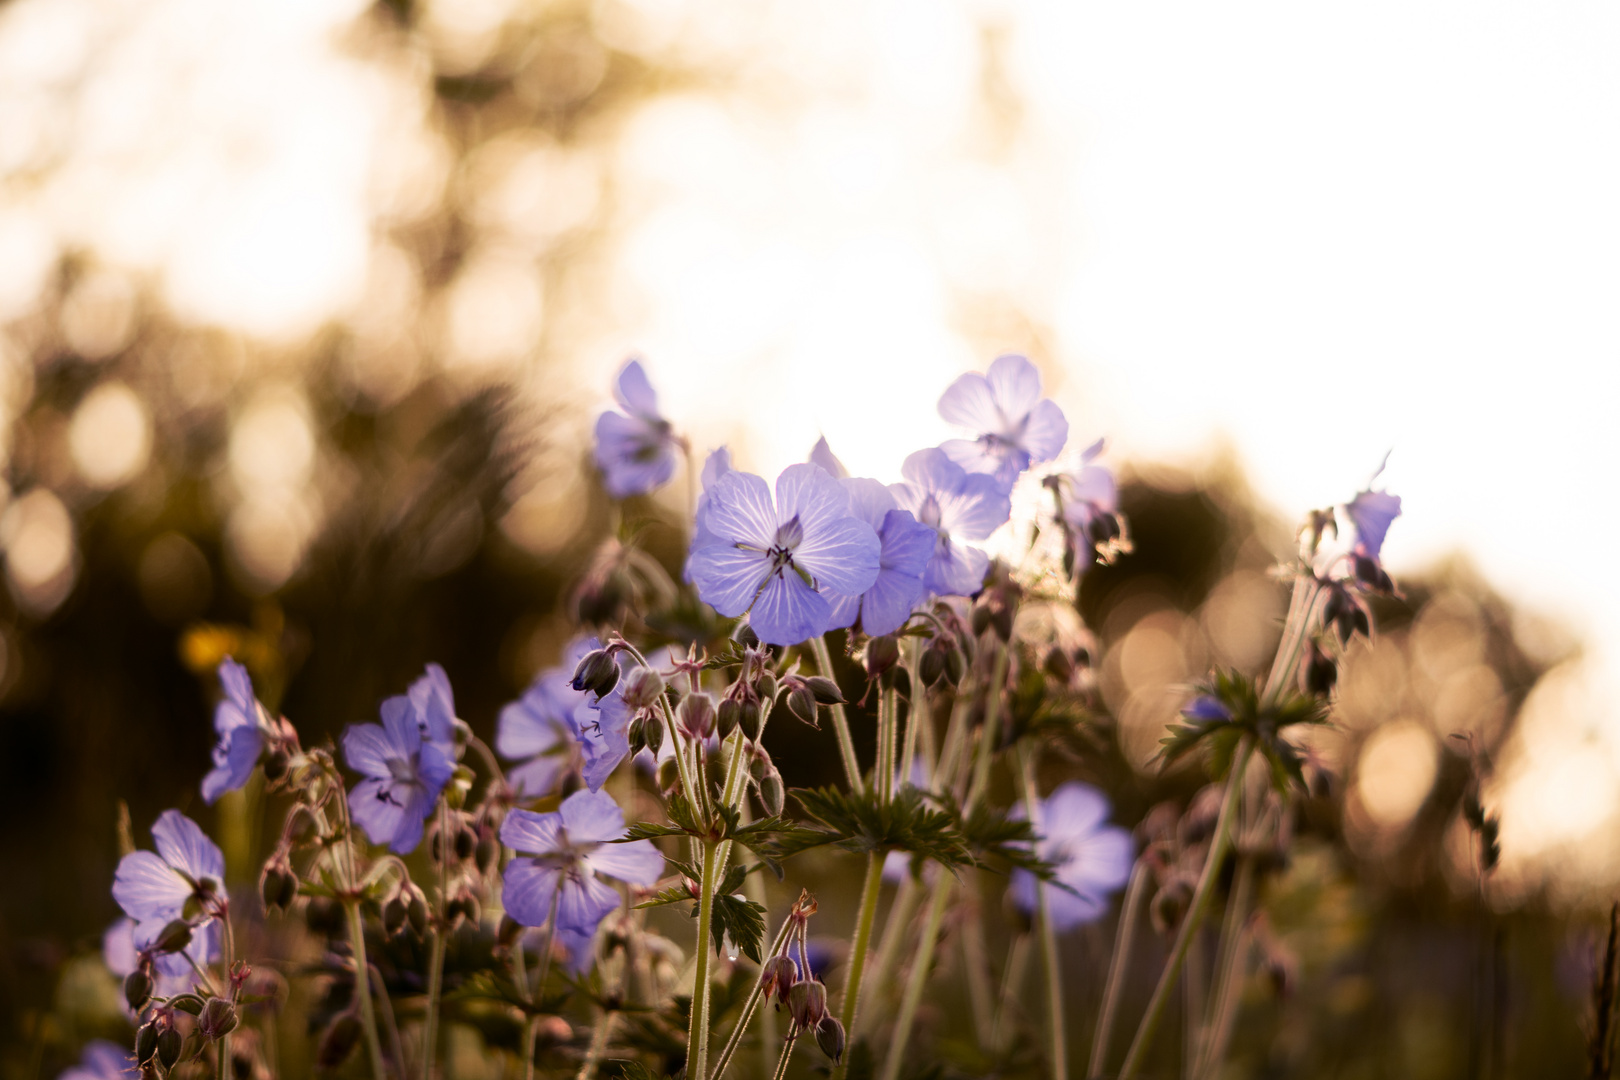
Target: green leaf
[672, 895]
[744, 920]
[865, 823]
[646, 830]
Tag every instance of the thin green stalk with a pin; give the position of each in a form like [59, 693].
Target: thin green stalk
[917, 715]
[436, 954]
[976, 962]
[863, 939]
[396, 1049]
[224, 1059]
[1192, 1007]
[1230, 965]
[599, 1044]
[1195, 913]
[697, 1037]
[1012, 984]
[991, 729]
[1057, 1050]
[917, 980]
[787, 1052]
[1124, 938]
[895, 929]
[754, 889]
[749, 1006]
[362, 987]
[888, 720]
[846, 745]
[532, 994]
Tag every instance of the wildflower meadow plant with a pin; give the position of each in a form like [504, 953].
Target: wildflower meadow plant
[515, 888]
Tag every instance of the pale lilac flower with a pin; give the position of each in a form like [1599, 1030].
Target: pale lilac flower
[1088, 855]
[124, 942]
[1371, 513]
[906, 545]
[101, 1060]
[153, 888]
[559, 855]
[635, 450]
[958, 506]
[821, 454]
[716, 465]
[244, 730]
[1087, 495]
[774, 558]
[553, 729]
[404, 776]
[1207, 709]
[434, 705]
[1013, 425]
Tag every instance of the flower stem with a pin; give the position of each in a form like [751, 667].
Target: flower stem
[888, 719]
[1057, 1051]
[863, 940]
[362, 988]
[1195, 912]
[917, 980]
[846, 745]
[894, 935]
[1231, 961]
[991, 728]
[787, 1052]
[697, 1038]
[1123, 939]
[1012, 983]
[748, 1007]
[436, 954]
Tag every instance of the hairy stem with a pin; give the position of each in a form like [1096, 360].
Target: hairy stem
[917, 980]
[362, 988]
[787, 1052]
[1012, 984]
[846, 745]
[1124, 938]
[1057, 1050]
[1195, 912]
[992, 727]
[1230, 964]
[888, 720]
[895, 930]
[430, 1017]
[697, 1038]
[749, 1006]
[863, 939]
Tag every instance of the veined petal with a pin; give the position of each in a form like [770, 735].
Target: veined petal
[1015, 385]
[603, 734]
[367, 750]
[234, 761]
[538, 777]
[907, 543]
[978, 508]
[788, 611]
[634, 392]
[184, 846]
[843, 609]
[591, 817]
[238, 686]
[869, 500]
[374, 808]
[1045, 432]
[638, 862]
[531, 833]
[716, 465]
[843, 554]
[740, 510]
[1072, 810]
[888, 603]
[969, 402]
[956, 569]
[821, 454]
[808, 493]
[528, 726]
[527, 889]
[932, 470]
[583, 903]
[400, 725]
[728, 578]
[973, 455]
[146, 887]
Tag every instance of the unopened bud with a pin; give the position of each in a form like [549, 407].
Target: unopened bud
[882, 653]
[642, 688]
[801, 702]
[697, 716]
[825, 691]
[174, 936]
[727, 716]
[146, 1040]
[597, 673]
[830, 1037]
[744, 635]
[955, 666]
[338, 1041]
[759, 763]
[635, 733]
[751, 719]
[807, 1002]
[654, 732]
[932, 667]
[771, 792]
[1001, 618]
[508, 933]
[416, 911]
[778, 976]
[765, 687]
[137, 988]
[218, 1018]
[169, 1044]
[488, 852]
[466, 843]
[981, 620]
[669, 775]
[394, 916]
[1320, 671]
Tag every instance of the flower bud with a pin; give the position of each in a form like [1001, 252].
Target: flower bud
[981, 620]
[654, 732]
[508, 933]
[218, 1018]
[771, 792]
[778, 976]
[759, 763]
[1058, 664]
[669, 775]
[744, 635]
[488, 852]
[174, 936]
[642, 688]
[801, 702]
[932, 666]
[765, 687]
[466, 843]
[830, 1037]
[137, 988]
[825, 691]
[275, 765]
[169, 1043]
[338, 1041]
[416, 911]
[394, 916]
[955, 666]
[1320, 672]
[597, 673]
[882, 653]
[635, 733]
[146, 1040]
[728, 715]
[807, 1002]
[697, 716]
[751, 719]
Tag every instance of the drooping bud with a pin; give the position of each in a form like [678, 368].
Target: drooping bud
[218, 1018]
[174, 936]
[759, 763]
[669, 775]
[981, 620]
[338, 1041]
[778, 976]
[137, 987]
[932, 666]
[765, 687]
[169, 1044]
[751, 719]
[416, 911]
[642, 688]
[830, 1037]
[654, 732]
[825, 691]
[728, 716]
[772, 793]
[955, 666]
[882, 653]
[146, 1040]
[635, 733]
[394, 916]
[807, 1002]
[697, 716]
[597, 673]
[1320, 671]
[801, 702]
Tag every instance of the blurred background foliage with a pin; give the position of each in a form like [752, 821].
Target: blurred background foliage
[407, 482]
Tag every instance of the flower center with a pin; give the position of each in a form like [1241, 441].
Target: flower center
[928, 513]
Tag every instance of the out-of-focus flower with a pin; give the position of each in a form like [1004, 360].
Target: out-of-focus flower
[101, 1060]
[1207, 709]
[774, 559]
[636, 452]
[1013, 425]
[434, 704]
[559, 856]
[554, 728]
[154, 888]
[906, 545]
[122, 952]
[958, 506]
[244, 729]
[1088, 505]
[1087, 854]
[1371, 512]
[404, 775]
[821, 454]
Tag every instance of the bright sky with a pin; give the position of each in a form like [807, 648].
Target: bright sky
[1312, 233]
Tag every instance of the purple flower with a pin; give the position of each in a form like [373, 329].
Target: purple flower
[101, 1060]
[958, 506]
[404, 776]
[155, 888]
[1088, 855]
[559, 856]
[774, 559]
[716, 465]
[636, 452]
[553, 727]
[1371, 512]
[125, 942]
[905, 548]
[1087, 495]
[433, 706]
[1206, 709]
[244, 729]
[821, 454]
[1014, 426]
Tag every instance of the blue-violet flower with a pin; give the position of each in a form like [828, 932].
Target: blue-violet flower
[1014, 425]
[958, 506]
[906, 545]
[553, 729]
[635, 449]
[244, 729]
[1087, 854]
[404, 776]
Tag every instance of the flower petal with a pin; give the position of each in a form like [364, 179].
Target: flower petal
[932, 470]
[728, 578]
[976, 509]
[1015, 385]
[869, 500]
[367, 750]
[375, 809]
[808, 493]
[788, 611]
[638, 862]
[603, 733]
[1045, 432]
[238, 686]
[527, 889]
[1073, 810]
[401, 726]
[591, 817]
[969, 402]
[843, 554]
[146, 887]
[532, 724]
[184, 846]
[531, 833]
[843, 609]
[234, 761]
[541, 776]
[956, 569]
[1372, 512]
[583, 903]
[633, 390]
[821, 454]
[888, 603]
[907, 543]
[740, 510]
